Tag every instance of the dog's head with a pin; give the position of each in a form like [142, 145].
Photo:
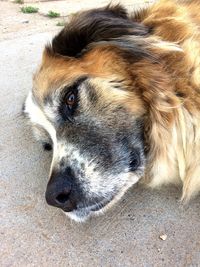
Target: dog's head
[89, 96]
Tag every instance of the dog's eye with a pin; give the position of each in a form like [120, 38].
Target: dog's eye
[70, 99]
[68, 104]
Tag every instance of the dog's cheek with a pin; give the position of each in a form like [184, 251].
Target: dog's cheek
[42, 137]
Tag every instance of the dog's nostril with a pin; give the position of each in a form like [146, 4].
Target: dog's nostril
[65, 201]
[62, 198]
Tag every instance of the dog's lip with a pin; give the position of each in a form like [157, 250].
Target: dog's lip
[94, 207]
[82, 214]
[99, 205]
[90, 208]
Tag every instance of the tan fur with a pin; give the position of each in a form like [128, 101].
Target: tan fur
[168, 91]
[176, 145]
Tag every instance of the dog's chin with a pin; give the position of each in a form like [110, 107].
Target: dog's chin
[82, 214]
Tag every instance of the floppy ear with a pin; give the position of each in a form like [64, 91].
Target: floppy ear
[157, 91]
[94, 26]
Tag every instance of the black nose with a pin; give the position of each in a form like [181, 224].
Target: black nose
[59, 194]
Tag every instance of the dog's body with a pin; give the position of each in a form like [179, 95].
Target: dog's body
[175, 132]
[119, 97]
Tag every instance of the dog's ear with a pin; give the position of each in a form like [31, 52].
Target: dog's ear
[94, 26]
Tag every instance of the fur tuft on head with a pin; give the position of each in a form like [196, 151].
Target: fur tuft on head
[94, 26]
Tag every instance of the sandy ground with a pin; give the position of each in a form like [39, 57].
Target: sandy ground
[35, 234]
[13, 23]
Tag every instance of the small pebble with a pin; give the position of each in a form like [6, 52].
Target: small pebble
[25, 21]
[163, 237]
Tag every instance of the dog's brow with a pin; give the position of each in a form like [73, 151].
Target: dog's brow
[75, 84]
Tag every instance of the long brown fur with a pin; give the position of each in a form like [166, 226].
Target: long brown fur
[175, 132]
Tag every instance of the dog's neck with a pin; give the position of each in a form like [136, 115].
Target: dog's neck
[173, 116]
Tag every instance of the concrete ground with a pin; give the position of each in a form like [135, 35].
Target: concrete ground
[35, 234]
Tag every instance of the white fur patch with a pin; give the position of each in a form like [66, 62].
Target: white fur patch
[38, 117]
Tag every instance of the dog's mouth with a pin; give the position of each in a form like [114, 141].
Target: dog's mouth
[85, 210]
[82, 213]
[80, 205]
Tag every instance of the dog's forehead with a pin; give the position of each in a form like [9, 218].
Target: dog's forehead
[53, 72]
[56, 71]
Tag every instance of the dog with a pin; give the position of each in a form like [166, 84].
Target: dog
[117, 97]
